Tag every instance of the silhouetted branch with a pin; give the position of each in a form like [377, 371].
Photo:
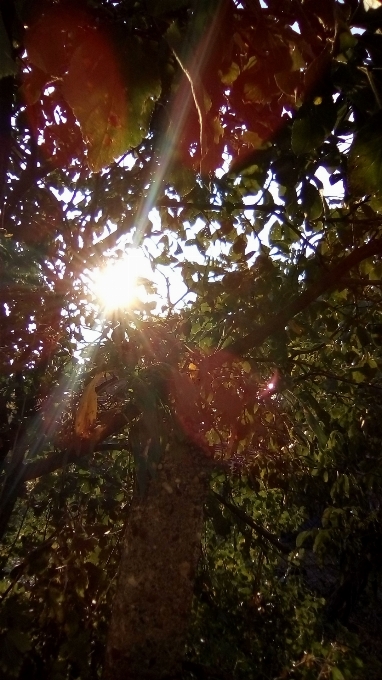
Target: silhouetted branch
[264, 533]
[332, 278]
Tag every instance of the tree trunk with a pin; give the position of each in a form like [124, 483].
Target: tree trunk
[160, 554]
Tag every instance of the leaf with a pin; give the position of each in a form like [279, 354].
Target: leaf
[331, 516]
[365, 158]
[275, 233]
[311, 130]
[33, 83]
[246, 366]
[371, 4]
[316, 428]
[311, 201]
[94, 90]
[303, 136]
[86, 415]
[181, 177]
[252, 139]
[111, 87]
[51, 40]
[358, 377]
[336, 674]
[289, 82]
[229, 76]
[303, 535]
[363, 336]
[20, 640]
[322, 536]
[239, 245]
[7, 63]
[317, 68]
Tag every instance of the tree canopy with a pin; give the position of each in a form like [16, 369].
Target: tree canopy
[238, 145]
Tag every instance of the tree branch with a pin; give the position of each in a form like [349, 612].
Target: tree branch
[264, 533]
[41, 467]
[331, 279]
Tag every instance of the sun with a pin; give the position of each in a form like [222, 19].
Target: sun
[116, 284]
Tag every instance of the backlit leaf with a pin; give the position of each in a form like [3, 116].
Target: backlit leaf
[86, 415]
[111, 104]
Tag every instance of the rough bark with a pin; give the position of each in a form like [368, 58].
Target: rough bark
[161, 550]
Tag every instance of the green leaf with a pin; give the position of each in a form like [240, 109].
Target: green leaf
[336, 674]
[311, 201]
[275, 233]
[181, 178]
[288, 81]
[20, 640]
[317, 68]
[229, 76]
[365, 158]
[358, 377]
[331, 516]
[316, 428]
[310, 131]
[304, 136]
[7, 64]
[321, 537]
[347, 41]
[303, 535]
[363, 336]
[239, 245]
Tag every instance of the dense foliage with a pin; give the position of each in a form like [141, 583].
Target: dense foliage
[232, 120]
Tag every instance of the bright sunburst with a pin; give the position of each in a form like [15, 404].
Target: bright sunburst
[116, 284]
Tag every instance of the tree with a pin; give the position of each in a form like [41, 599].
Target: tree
[260, 391]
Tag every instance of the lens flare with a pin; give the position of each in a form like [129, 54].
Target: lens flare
[116, 285]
